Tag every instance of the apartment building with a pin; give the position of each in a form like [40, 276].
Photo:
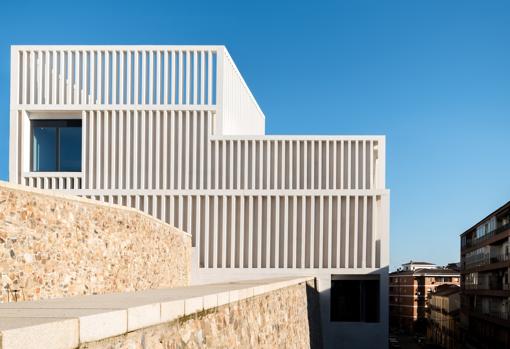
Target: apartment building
[410, 289]
[485, 287]
[174, 131]
[443, 324]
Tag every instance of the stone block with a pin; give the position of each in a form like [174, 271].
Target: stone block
[172, 310]
[37, 333]
[193, 305]
[143, 316]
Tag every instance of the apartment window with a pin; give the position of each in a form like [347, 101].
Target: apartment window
[56, 145]
[486, 228]
[355, 300]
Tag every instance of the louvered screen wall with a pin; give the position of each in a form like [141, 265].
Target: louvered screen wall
[152, 140]
[117, 76]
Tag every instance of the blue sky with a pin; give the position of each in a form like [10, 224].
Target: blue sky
[433, 76]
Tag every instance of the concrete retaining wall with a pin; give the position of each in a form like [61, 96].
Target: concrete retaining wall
[272, 313]
[278, 319]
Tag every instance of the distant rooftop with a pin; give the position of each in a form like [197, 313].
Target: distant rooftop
[426, 271]
[422, 263]
[412, 265]
[446, 290]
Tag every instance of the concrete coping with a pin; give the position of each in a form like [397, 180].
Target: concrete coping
[68, 322]
[91, 202]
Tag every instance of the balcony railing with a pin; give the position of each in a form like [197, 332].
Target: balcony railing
[500, 315]
[477, 260]
[492, 287]
[475, 241]
[486, 259]
[54, 180]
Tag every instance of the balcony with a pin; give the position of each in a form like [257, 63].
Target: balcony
[476, 261]
[501, 318]
[484, 290]
[499, 315]
[485, 259]
[54, 180]
[477, 241]
[477, 287]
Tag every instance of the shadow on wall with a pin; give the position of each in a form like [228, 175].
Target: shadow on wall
[366, 328]
[314, 315]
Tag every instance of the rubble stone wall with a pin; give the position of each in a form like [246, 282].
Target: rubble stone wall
[55, 246]
[284, 318]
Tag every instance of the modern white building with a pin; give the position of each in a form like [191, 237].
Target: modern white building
[174, 131]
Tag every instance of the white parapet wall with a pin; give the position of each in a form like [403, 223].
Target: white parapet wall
[174, 131]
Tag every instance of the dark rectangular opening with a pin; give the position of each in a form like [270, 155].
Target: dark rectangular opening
[355, 300]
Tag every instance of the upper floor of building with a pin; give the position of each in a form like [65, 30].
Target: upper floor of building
[143, 77]
[168, 118]
[492, 230]
[485, 249]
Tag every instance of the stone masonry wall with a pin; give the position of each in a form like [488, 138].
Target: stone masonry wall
[59, 246]
[285, 318]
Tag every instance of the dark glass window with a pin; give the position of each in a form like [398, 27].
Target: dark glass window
[56, 145]
[355, 300]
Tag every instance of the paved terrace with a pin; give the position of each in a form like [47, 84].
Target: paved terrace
[71, 322]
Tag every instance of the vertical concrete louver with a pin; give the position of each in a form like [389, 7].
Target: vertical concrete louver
[175, 132]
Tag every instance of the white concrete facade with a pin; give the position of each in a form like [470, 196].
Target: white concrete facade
[175, 132]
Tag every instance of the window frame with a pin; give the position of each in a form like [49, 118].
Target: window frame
[58, 123]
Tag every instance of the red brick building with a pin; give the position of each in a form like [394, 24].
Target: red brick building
[410, 290]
